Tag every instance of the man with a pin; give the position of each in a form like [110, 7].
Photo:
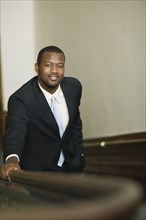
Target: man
[32, 139]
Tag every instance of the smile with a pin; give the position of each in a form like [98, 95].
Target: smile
[53, 77]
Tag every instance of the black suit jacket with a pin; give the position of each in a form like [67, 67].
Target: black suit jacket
[33, 134]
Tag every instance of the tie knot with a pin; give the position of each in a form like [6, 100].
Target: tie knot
[53, 101]
[53, 98]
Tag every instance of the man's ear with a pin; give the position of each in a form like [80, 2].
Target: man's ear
[36, 67]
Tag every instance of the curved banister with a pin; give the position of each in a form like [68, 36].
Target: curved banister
[53, 196]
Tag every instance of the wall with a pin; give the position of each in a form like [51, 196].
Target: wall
[104, 42]
[17, 45]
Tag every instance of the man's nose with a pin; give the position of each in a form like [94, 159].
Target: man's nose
[54, 68]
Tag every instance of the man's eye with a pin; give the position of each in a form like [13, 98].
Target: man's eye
[48, 65]
[60, 66]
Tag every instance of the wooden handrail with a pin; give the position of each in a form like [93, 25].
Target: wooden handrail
[106, 143]
[120, 157]
[53, 196]
[127, 136]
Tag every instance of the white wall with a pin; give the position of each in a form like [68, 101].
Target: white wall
[17, 45]
[104, 42]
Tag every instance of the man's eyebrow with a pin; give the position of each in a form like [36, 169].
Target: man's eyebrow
[47, 61]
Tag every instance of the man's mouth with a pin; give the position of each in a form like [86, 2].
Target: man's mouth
[53, 77]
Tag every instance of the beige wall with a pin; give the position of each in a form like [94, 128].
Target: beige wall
[17, 45]
[104, 42]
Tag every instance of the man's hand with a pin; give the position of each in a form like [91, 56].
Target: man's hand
[8, 167]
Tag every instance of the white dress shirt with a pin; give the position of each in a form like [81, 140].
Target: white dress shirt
[61, 103]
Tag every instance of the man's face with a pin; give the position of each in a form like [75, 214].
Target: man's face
[50, 70]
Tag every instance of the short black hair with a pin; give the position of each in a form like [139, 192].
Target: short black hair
[48, 49]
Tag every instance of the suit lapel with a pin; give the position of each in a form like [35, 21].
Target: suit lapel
[44, 107]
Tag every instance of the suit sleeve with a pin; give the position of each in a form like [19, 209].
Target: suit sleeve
[16, 126]
[77, 134]
[78, 161]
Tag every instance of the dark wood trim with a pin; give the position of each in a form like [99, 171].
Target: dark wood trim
[2, 123]
[125, 158]
[129, 136]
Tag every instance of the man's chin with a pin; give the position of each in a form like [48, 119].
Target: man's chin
[52, 85]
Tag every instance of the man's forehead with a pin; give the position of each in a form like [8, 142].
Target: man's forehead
[53, 56]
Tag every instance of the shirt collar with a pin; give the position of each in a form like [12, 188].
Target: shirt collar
[58, 93]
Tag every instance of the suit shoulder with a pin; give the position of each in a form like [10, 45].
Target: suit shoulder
[72, 81]
[25, 88]
[25, 93]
